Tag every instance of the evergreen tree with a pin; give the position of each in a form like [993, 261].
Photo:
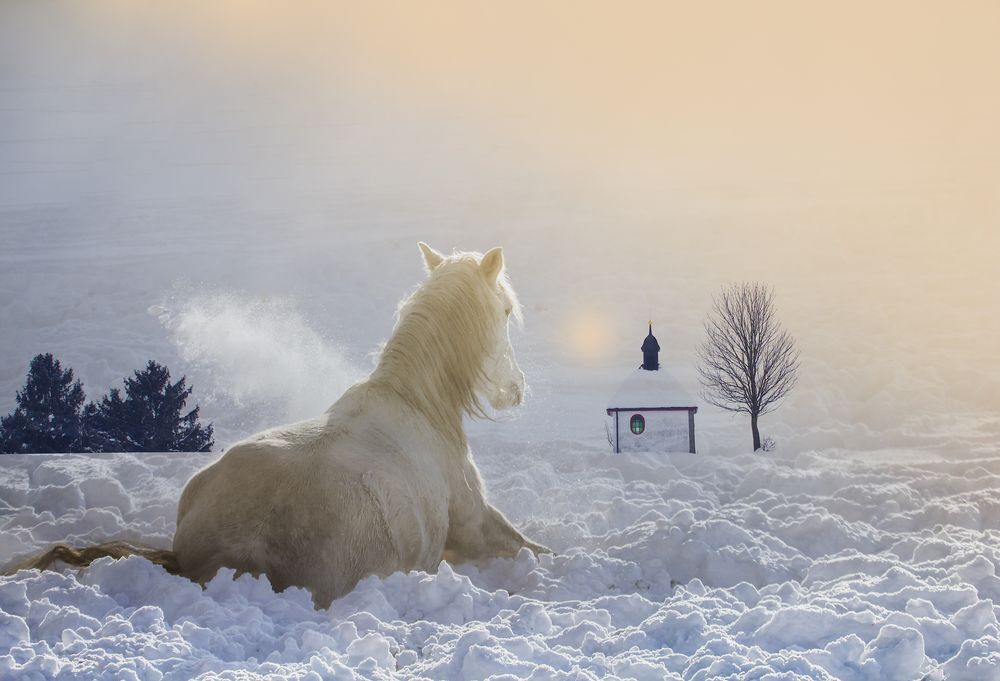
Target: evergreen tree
[149, 417]
[90, 439]
[47, 418]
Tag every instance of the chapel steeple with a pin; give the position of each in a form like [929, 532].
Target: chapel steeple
[650, 351]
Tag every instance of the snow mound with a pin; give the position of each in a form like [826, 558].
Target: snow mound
[816, 566]
[645, 389]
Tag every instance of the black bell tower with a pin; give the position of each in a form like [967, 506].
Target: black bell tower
[650, 351]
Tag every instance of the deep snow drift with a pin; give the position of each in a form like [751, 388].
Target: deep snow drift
[668, 566]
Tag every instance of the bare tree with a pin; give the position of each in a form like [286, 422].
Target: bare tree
[748, 361]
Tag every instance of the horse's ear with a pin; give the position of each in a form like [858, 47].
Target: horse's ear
[492, 264]
[431, 257]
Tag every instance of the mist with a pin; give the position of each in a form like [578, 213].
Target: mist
[259, 356]
[629, 163]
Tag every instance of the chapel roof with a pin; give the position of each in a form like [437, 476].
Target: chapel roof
[650, 389]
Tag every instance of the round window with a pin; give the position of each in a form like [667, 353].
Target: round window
[637, 424]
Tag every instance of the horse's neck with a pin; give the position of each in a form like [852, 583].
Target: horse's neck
[434, 358]
[423, 391]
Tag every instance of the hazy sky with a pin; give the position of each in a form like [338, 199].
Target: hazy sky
[848, 153]
[648, 108]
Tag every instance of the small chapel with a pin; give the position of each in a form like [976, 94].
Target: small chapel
[650, 412]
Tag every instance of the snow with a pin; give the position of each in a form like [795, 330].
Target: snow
[658, 388]
[679, 566]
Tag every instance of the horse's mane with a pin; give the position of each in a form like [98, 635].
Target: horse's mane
[442, 339]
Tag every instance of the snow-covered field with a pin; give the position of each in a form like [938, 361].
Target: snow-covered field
[810, 566]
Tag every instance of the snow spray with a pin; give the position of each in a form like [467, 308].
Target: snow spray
[260, 354]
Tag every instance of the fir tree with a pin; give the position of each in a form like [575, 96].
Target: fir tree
[90, 439]
[47, 418]
[149, 418]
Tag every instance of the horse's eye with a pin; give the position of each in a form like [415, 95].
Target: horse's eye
[507, 311]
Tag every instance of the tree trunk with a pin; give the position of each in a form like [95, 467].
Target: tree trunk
[756, 432]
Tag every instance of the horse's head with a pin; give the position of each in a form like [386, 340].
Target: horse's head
[503, 383]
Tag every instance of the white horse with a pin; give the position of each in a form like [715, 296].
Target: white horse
[384, 480]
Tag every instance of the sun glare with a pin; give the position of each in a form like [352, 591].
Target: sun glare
[587, 335]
